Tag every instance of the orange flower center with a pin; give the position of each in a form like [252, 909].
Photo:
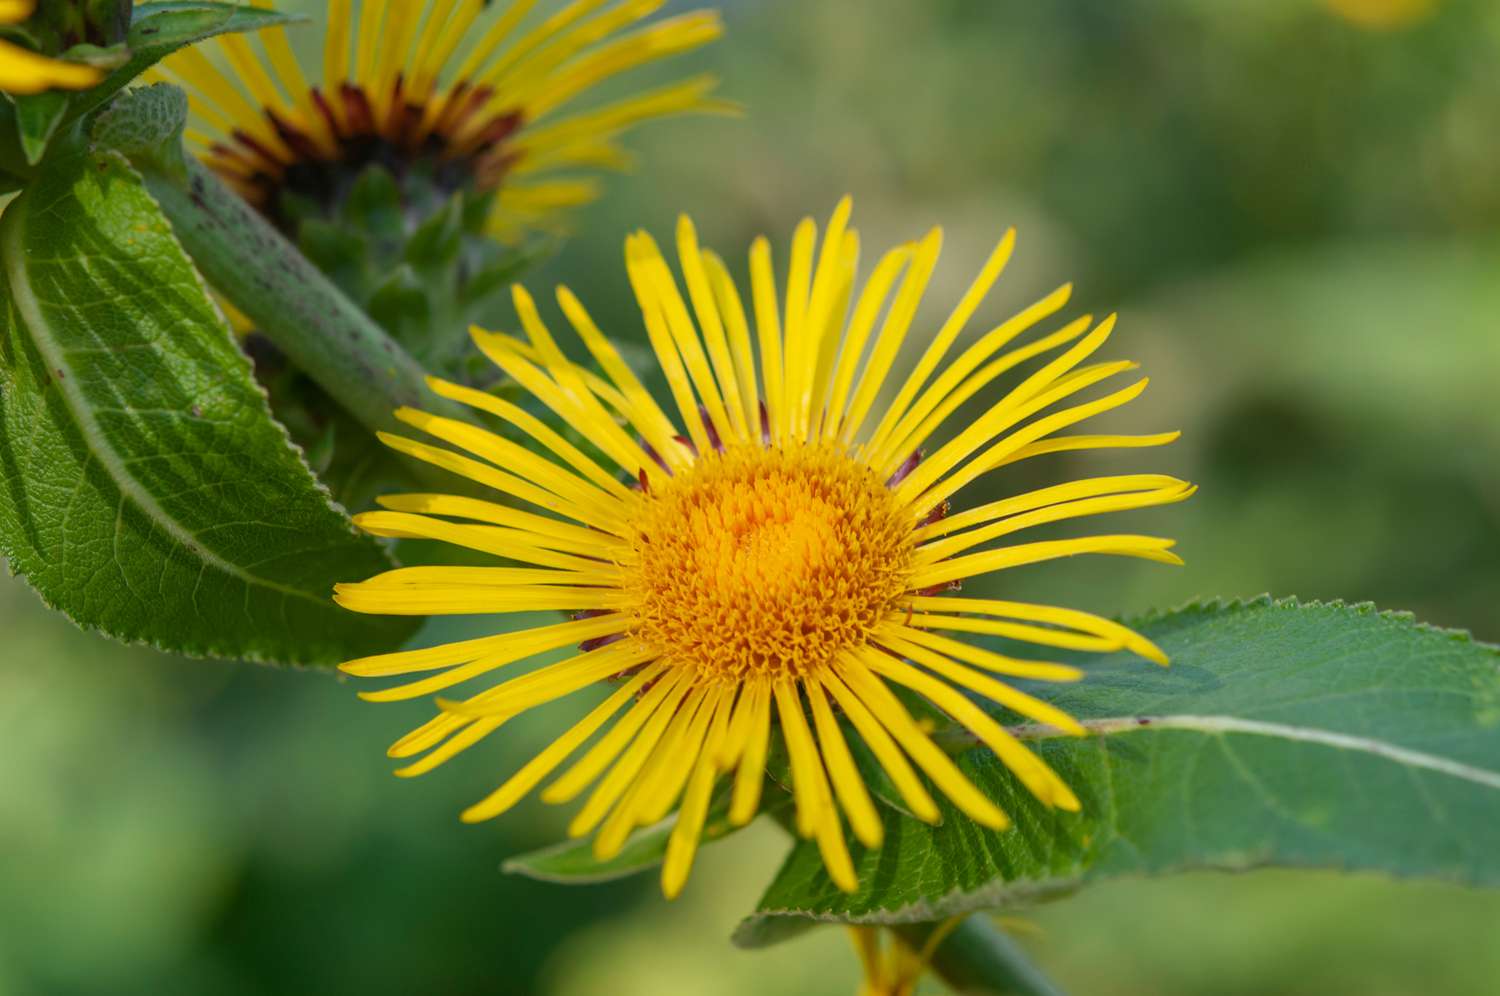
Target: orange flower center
[767, 561]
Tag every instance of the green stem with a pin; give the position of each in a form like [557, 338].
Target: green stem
[322, 332]
[977, 958]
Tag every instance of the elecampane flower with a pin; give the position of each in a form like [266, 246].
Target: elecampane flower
[25, 71]
[772, 555]
[426, 84]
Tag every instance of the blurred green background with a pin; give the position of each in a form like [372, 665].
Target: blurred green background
[1293, 204]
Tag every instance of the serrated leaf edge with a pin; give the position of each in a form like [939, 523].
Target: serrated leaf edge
[1023, 892]
[190, 650]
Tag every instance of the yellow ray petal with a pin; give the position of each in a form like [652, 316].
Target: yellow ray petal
[1103, 504]
[628, 774]
[768, 330]
[884, 706]
[996, 453]
[510, 484]
[893, 331]
[996, 691]
[945, 336]
[526, 464]
[711, 323]
[848, 784]
[1033, 772]
[513, 544]
[749, 776]
[663, 289]
[810, 788]
[539, 767]
[661, 700]
[453, 746]
[533, 427]
[1031, 395]
[727, 300]
[1086, 622]
[975, 564]
[624, 654]
[546, 531]
[913, 792]
[872, 298]
[794, 346]
[908, 631]
[954, 385]
[683, 843]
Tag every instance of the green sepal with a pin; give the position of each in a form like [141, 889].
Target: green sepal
[572, 862]
[38, 116]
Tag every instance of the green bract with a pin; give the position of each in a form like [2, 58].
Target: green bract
[146, 490]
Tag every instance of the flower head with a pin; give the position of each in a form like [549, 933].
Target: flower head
[774, 557]
[442, 98]
[25, 71]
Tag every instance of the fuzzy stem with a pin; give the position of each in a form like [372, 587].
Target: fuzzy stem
[323, 333]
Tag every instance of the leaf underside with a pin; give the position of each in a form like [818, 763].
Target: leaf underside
[1284, 734]
[144, 488]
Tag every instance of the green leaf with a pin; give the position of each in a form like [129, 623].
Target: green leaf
[573, 863]
[144, 488]
[145, 124]
[1282, 735]
[37, 118]
[159, 29]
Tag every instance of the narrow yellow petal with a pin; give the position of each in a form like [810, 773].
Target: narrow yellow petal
[883, 704]
[576, 672]
[1011, 698]
[954, 385]
[539, 767]
[996, 454]
[727, 300]
[711, 323]
[893, 331]
[533, 427]
[475, 732]
[798, 287]
[1033, 772]
[940, 549]
[1029, 396]
[749, 777]
[872, 298]
[945, 336]
[848, 784]
[907, 630]
[814, 797]
[974, 564]
[768, 331]
[913, 792]
[1086, 622]
[642, 774]
[656, 706]
[545, 531]
[492, 477]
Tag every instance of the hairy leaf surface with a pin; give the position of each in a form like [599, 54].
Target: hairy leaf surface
[144, 488]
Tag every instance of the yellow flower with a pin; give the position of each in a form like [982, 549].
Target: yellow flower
[1383, 15]
[394, 91]
[781, 554]
[24, 71]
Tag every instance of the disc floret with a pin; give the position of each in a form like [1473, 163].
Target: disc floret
[767, 562]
